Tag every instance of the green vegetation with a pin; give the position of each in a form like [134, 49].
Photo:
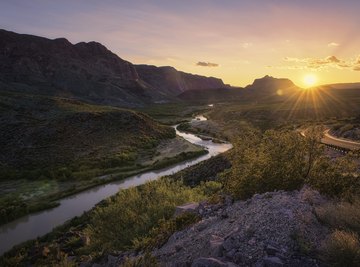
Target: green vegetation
[132, 213]
[284, 160]
[173, 113]
[132, 219]
[141, 261]
[53, 147]
[271, 156]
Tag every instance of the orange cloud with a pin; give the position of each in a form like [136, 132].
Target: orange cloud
[320, 63]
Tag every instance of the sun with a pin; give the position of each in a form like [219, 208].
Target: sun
[310, 80]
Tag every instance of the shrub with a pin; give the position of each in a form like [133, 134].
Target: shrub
[161, 233]
[284, 160]
[261, 163]
[343, 215]
[335, 177]
[132, 213]
[341, 249]
[142, 261]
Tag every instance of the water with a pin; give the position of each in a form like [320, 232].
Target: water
[40, 223]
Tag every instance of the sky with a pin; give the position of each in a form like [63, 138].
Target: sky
[235, 40]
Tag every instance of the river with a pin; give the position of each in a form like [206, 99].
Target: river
[40, 223]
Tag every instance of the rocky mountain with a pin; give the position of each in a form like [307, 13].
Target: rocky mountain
[87, 71]
[271, 86]
[264, 89]
[169, 81]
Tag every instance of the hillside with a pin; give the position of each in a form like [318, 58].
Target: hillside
[39, 132]
[87, 71]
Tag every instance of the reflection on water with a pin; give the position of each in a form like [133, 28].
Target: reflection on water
[40, 223]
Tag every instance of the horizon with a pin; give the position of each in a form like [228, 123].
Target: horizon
[238, 41]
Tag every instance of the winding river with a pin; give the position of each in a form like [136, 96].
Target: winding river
[40, 223]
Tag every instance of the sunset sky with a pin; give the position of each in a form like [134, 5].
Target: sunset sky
[235, 40]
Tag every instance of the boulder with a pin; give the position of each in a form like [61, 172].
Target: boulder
[215, 245]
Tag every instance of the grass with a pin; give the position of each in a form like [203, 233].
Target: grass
[173, 113]
[342, 248]
[341, 215]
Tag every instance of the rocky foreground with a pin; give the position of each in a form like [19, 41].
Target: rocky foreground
[273, 229]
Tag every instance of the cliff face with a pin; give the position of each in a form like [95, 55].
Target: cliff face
[87, 71]
[170, 81]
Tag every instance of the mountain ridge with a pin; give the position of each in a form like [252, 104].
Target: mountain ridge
[87, 71]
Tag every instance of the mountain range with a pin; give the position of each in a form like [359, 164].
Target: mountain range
[88, 71]
[92, 73]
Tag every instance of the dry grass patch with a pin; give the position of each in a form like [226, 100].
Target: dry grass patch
[341, 249]
[342, 215]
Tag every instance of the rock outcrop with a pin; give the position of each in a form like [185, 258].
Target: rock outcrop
[272, 86]
[272, 229]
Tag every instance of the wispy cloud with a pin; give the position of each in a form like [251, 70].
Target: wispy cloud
[246, 45]
[321, 63]
[207, 64]
[333, 44]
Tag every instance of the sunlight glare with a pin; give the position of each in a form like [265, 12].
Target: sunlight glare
[310, 80]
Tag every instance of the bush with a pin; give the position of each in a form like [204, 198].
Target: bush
[132, 213]
[343, 215]
[142, 261]
[285, 160]
[335, 177]
[161, 233]
[262, 163]
[341, 249]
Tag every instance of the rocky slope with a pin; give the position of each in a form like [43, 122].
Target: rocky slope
[87, 71]
[272, 229]
[171, 82]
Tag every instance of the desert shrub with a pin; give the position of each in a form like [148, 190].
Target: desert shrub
[341, 215]
[165, 228]
[132, 213]
[335, 177]
[141, 261]
[285, 160]
[341, 249]
[261, 163]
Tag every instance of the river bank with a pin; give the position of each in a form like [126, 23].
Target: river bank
[74, 205]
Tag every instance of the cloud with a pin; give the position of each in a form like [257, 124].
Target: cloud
[322, 63]
[206, 64]
[333, 44]
[246, 45]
